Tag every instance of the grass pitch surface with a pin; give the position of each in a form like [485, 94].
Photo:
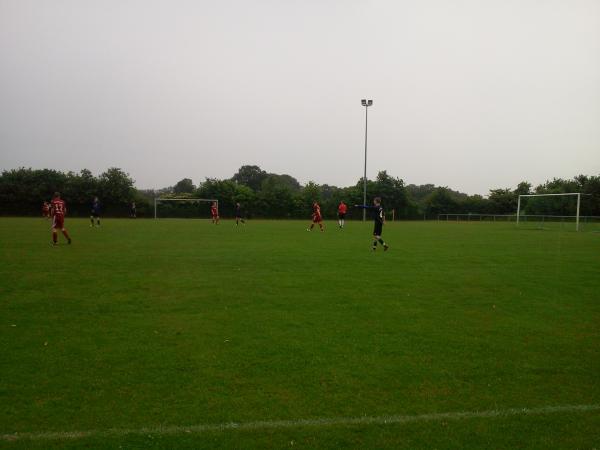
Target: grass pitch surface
[146, 324]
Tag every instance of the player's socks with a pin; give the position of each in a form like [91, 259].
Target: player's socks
[98, 222]
[91, 221]
[66, 235]
[374, 245]
[385, 246]
[54, 237]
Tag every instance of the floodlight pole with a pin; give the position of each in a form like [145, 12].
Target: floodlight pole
[366, 103]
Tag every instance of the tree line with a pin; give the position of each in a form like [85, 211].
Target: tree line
[270, 195]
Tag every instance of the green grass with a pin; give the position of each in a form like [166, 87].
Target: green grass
[178, 322]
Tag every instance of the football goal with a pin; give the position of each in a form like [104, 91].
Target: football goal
[546, 211]
[183, 207]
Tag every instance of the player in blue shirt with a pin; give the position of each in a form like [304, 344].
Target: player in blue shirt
[238, 214]
[95, 212]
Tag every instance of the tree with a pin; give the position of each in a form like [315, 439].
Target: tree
[475, 204]
[502, 201]
[185, 186]
[523, 188]
[419, 194]
[228, 193]
[116, 187]
[276, 199]
[251, 176]
[393, 194]
[306, 197]
[440, 201]
[287, 180]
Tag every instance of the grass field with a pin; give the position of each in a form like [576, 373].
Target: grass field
[143, 332]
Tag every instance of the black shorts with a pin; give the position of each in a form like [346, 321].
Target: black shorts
[341, 216]
[377, 229]
[95, 215]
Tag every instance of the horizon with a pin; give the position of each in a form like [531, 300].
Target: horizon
[303, 184]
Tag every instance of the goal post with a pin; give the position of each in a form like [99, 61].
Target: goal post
[158, 200]
[577, 211]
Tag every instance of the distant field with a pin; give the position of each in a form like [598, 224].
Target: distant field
[145, 334]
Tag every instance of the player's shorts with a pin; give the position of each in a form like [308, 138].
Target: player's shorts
[95, 215]
[341, 216]
[317, 219]
[377, 229]
[58, 222]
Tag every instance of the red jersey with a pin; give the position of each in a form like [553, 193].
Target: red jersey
[214, 211]
[316, 213]
[342, 208]
[58, 207]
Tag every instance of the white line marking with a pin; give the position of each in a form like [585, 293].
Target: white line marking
[277, 424]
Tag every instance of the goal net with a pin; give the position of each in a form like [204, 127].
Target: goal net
[564, 211]
[196, 208]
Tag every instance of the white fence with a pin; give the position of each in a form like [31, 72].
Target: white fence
[536, 218]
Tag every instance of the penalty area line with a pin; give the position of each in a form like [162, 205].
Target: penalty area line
[298, 423]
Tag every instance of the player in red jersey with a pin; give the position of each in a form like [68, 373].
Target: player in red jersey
[316, 217]
[214, 212]
[58, 209]
[46, 210]
[342, 209]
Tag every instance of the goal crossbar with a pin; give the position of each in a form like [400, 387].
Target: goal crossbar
[578, 194]
[158, 200]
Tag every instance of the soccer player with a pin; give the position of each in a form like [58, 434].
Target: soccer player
[46, 210]
[342, 209]
[238, 214]
[379, 220]
[95, 212]
[316, 217]
[133, 211]
[214, 212]
[58, 209]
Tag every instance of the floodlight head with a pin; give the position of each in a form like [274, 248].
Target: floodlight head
[370, 102]
[364, 102]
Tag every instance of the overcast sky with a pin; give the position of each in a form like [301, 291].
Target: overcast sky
[472, 94]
